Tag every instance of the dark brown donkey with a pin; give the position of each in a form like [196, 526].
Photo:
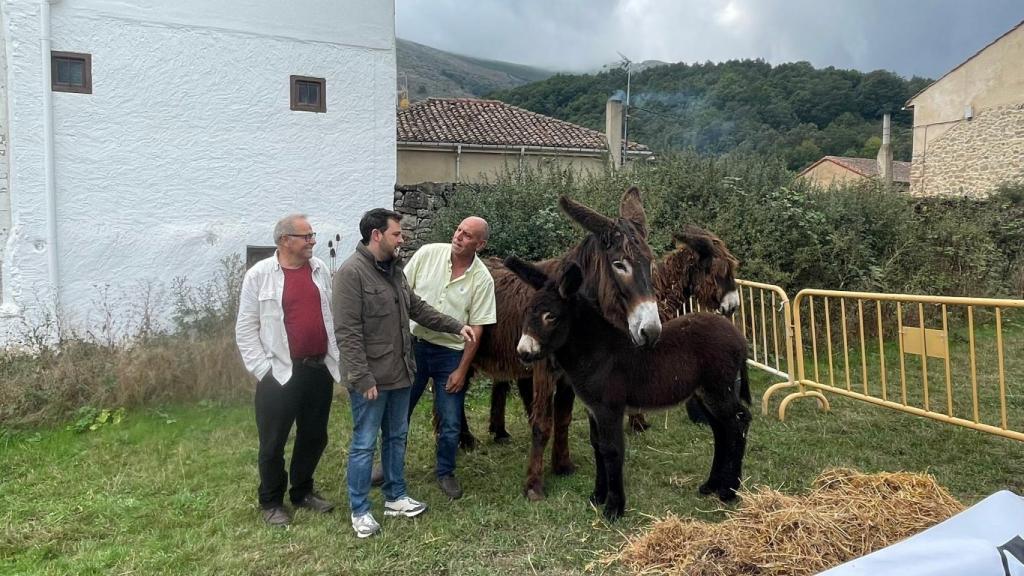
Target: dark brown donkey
[617, 275]
[698, 355]
[700, 267]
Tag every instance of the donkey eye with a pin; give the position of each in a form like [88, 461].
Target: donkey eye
[548, 317]
[621, 266]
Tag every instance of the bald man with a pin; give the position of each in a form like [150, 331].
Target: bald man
[452, 279]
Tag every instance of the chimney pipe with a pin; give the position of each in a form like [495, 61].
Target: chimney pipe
[613, 129]
[884, 157]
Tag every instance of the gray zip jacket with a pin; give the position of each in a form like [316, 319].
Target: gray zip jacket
[372, 308]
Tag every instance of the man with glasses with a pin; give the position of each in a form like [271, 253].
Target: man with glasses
[284, 318]
[373, 304]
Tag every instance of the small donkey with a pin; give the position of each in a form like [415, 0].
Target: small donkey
[698, 355]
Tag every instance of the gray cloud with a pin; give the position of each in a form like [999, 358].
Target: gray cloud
[909, 37]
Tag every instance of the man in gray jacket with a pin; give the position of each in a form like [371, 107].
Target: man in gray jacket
[372, 305]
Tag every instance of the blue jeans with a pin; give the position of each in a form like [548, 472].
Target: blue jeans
[389, 414]
[438, 362]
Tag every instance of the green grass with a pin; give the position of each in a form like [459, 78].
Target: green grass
[172, 491]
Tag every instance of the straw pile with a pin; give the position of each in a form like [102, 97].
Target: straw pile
[846, 515]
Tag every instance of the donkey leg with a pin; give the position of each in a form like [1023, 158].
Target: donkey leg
[466, 439]
[696, 412]
[540, 426]
[732, 468]
[600, 493]
[499, 395]
[561, 463]
[718, 429]
[612, 447]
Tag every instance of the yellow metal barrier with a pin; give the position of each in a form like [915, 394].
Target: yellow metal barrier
[765, 318]
[944, 371]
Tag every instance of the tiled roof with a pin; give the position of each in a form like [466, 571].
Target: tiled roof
[490, 122]
[868, 167]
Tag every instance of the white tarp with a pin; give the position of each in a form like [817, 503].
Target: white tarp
[986, 539]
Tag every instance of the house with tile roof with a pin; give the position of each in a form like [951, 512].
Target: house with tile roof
[466, 140]
[839, 170]
[969, 124]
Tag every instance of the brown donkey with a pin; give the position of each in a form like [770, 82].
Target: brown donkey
[699, 355]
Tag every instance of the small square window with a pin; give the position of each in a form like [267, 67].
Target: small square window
[309, 94]
[71, 72]
[254, 254]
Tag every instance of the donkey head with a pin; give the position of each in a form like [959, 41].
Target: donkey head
[615, 263]
[548, 316]
[707, 269]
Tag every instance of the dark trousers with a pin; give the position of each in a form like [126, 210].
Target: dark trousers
[306, 402]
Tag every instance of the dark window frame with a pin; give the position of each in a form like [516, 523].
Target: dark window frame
[320, 106]
[86, 59]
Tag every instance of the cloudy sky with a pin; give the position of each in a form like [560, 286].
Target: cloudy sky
[909, 37]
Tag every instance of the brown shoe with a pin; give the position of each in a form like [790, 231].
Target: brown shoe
[277, 516]
[314, 502]
[450, 486]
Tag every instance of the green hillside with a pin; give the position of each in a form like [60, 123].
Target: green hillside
[792, 110]
[430, 72]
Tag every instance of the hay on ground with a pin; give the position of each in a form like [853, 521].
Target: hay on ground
[846, 515]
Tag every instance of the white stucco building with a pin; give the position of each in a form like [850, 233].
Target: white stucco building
[147, 140]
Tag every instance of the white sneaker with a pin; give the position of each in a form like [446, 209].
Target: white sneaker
[364, 525]
[404, 506]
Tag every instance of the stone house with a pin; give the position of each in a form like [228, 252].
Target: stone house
[144, 141]
[838, 170]
[969, 124]
[465, 140]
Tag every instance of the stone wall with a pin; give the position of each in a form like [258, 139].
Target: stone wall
[973, 157]
[418, 203]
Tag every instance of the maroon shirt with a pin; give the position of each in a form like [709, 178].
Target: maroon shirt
[303, 319]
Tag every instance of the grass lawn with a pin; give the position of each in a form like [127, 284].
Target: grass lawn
[172, 491]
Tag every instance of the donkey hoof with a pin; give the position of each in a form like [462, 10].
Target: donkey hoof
[727, 495]
[597, 499]
[563, 469]
[708, 488]
[638, 424]
[613, 512]
[534, 495]
[502, 438]
[467, 443]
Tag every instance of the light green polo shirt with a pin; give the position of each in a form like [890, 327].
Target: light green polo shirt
[469, 298]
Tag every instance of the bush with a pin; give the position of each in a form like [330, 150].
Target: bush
[784, 231]
[59, 371]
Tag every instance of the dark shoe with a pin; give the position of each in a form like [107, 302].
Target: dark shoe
[377, 475]
[450, 486]
[314, 502]
[277, 516]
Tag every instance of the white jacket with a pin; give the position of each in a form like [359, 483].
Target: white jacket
[260, 331]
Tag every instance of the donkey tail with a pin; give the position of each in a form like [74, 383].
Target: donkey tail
[745, 383]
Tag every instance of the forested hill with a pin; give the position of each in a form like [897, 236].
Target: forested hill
[792, 110]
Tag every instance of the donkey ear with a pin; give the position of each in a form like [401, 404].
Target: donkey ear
[700, 244]
[526, 272]
[590, 220]
[571, 280]
[632, 208]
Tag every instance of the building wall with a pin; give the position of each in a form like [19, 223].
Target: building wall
[993, 79]
[973, 158]
[829, 173]
[187, 150]
[415, 166]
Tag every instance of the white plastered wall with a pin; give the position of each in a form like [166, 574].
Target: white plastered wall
[187, 151]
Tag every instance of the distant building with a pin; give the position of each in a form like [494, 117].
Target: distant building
[969, 124]
[464, 140]
[838, 170]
